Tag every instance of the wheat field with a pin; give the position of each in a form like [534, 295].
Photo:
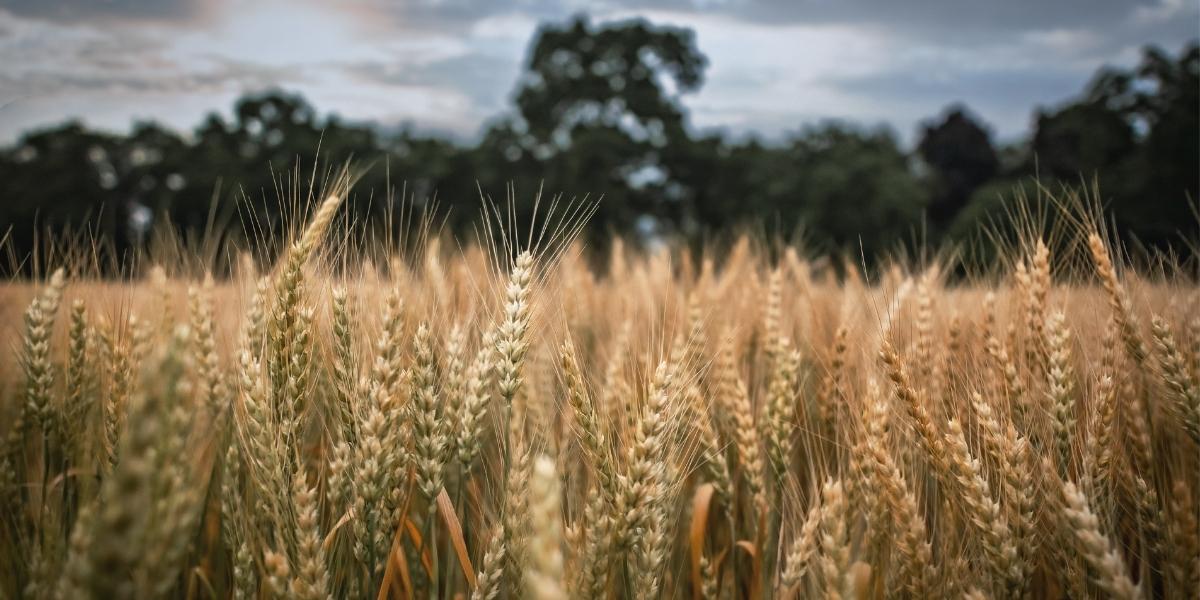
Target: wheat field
[513, 418]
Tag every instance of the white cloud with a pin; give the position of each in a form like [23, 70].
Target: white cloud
[513, 29]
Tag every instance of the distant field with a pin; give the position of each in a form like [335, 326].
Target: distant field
[738, 426]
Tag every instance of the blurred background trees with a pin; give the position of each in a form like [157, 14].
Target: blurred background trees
[598, 111]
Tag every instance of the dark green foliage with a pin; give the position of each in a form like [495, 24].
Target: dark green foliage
[961, 158]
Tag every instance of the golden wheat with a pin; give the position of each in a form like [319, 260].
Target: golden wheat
[505, 421]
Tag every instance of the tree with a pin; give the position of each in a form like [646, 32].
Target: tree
[65, 179]
[1081, 139]
[598, 111]
[1137, 132]
[1168, 101]
[842, 185]
[959, 152]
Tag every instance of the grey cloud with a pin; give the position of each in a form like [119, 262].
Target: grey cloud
[771, 126]
[946, 18]
[222, 76]
[104, 10]
[113, 55]
[447, 16]
[950, 17]
[1022, 87]
[485, 79]
[1004, 99]
[1112, 27]
[48, 59]
[1114, 24]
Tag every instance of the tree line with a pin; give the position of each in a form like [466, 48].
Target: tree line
[598, 111]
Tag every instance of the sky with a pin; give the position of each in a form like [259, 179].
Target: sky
[448, 66]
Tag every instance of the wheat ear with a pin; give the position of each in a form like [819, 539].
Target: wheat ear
[545, 575]
[1104, 561]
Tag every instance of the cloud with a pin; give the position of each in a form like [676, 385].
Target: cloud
[457, 16]
[962, 20]
[225, 75]
[1004, 99]
[47, 59]
[110, 75]
[856, 59]
[481, 78]
[483, 65]
[950, 18]
[76, 11]
[452, 64]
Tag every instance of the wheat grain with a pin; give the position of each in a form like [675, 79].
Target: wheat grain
[335, 431]
[1180, 381]
[1105, 563]
[545, 575]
